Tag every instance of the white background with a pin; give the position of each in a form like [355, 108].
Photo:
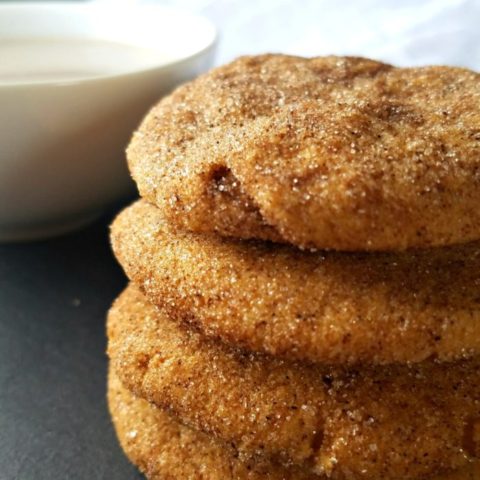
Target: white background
[405, 32]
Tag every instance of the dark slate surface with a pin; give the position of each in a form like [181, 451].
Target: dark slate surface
[54, 422]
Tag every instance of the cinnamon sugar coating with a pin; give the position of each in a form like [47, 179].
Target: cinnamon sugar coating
[330, 153]
[163, 449]
[402, 422]
[322, 307]
[166, 450]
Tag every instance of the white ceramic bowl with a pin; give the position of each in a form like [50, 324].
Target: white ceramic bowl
[62, 158]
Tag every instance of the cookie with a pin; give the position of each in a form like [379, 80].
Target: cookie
[328, 307]
[166, 450]
[369, 423]
[330, 153]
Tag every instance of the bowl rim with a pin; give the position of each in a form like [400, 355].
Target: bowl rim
[208, 45]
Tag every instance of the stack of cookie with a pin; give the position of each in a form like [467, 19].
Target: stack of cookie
[305, 276]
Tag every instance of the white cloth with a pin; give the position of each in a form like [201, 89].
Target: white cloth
[404, 32]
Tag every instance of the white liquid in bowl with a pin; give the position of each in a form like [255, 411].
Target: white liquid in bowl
[30, 60]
